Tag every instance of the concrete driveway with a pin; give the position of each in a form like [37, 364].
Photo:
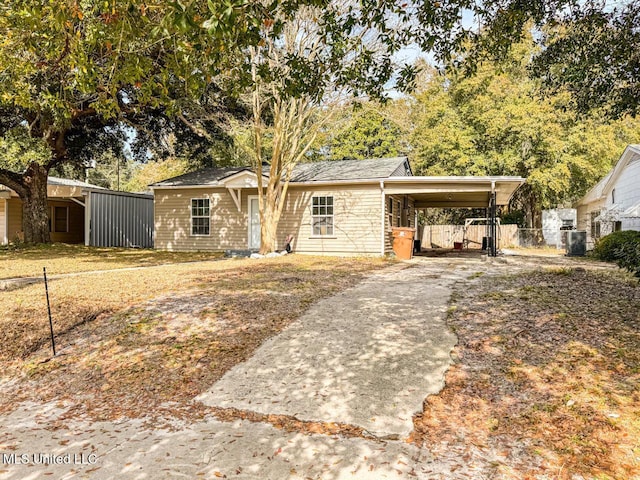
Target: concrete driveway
[366, 357]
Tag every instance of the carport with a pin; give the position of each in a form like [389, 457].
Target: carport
[450, 192]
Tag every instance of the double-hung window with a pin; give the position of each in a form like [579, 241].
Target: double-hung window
[322, 216]
[200, 216]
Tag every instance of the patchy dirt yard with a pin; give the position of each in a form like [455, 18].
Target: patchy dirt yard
[546, 379]
[133, 343]
[545, 382]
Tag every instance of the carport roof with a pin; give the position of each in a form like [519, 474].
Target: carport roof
[454, 192]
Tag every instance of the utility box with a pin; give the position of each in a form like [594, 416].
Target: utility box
[403, 242]
[576, 243]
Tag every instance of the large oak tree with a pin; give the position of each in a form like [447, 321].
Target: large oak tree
[68, 68]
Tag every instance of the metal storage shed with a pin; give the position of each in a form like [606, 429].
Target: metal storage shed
[118, 219]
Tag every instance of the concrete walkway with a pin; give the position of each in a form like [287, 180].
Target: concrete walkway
[368, 357]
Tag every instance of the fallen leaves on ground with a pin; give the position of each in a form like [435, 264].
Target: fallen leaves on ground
[162, 335]
[60, 258]
[546, 380]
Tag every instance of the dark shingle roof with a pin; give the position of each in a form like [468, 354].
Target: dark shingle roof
[348, 169]
[326, 171]
[206, 176]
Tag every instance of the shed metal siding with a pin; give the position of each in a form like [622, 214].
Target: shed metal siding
[120, 220]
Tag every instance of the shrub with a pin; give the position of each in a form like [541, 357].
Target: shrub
[622, 248]
[629, 257]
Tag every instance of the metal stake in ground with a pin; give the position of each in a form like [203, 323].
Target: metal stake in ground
[46, 289]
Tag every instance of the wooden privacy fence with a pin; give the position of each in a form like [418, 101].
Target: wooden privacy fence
[443, 236]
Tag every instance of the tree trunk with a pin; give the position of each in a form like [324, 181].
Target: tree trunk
[35, 209]
[268, 232]
[269, 221]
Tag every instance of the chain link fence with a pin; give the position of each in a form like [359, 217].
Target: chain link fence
[530, 237]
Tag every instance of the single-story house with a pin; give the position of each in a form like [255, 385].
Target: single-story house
[614, 202]
[84, 213]
[334, 208]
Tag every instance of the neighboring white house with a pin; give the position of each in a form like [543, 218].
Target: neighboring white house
[614, 202]
[555, 222]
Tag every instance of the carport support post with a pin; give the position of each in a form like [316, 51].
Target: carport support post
[493, 226]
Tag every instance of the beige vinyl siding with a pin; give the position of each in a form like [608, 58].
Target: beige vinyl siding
[76, 223]
[3, 222]
[407, 217]
[227, 230]
[356, 220]
[15, 219]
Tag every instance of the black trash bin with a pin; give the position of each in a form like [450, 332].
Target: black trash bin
[487, 243]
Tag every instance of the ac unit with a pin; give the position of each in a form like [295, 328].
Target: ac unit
[576, 243]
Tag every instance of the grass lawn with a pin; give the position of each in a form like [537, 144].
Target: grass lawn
[28, 261]
[546, 379]
[132, 342]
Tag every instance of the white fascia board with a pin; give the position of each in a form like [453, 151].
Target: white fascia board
[625, 159]
[184, 187]
[367, 181]
[391, 180]
[243, 179]
[453, 179]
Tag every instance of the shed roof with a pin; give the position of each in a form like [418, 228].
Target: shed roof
[67, 182]
[64, 182]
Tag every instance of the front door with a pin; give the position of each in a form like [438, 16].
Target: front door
[254, 223]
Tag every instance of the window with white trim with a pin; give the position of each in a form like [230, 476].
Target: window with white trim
[322, 216]
[200, 216]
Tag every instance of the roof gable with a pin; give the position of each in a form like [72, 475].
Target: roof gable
[241, 179]
[603, 187]
[630, 154]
